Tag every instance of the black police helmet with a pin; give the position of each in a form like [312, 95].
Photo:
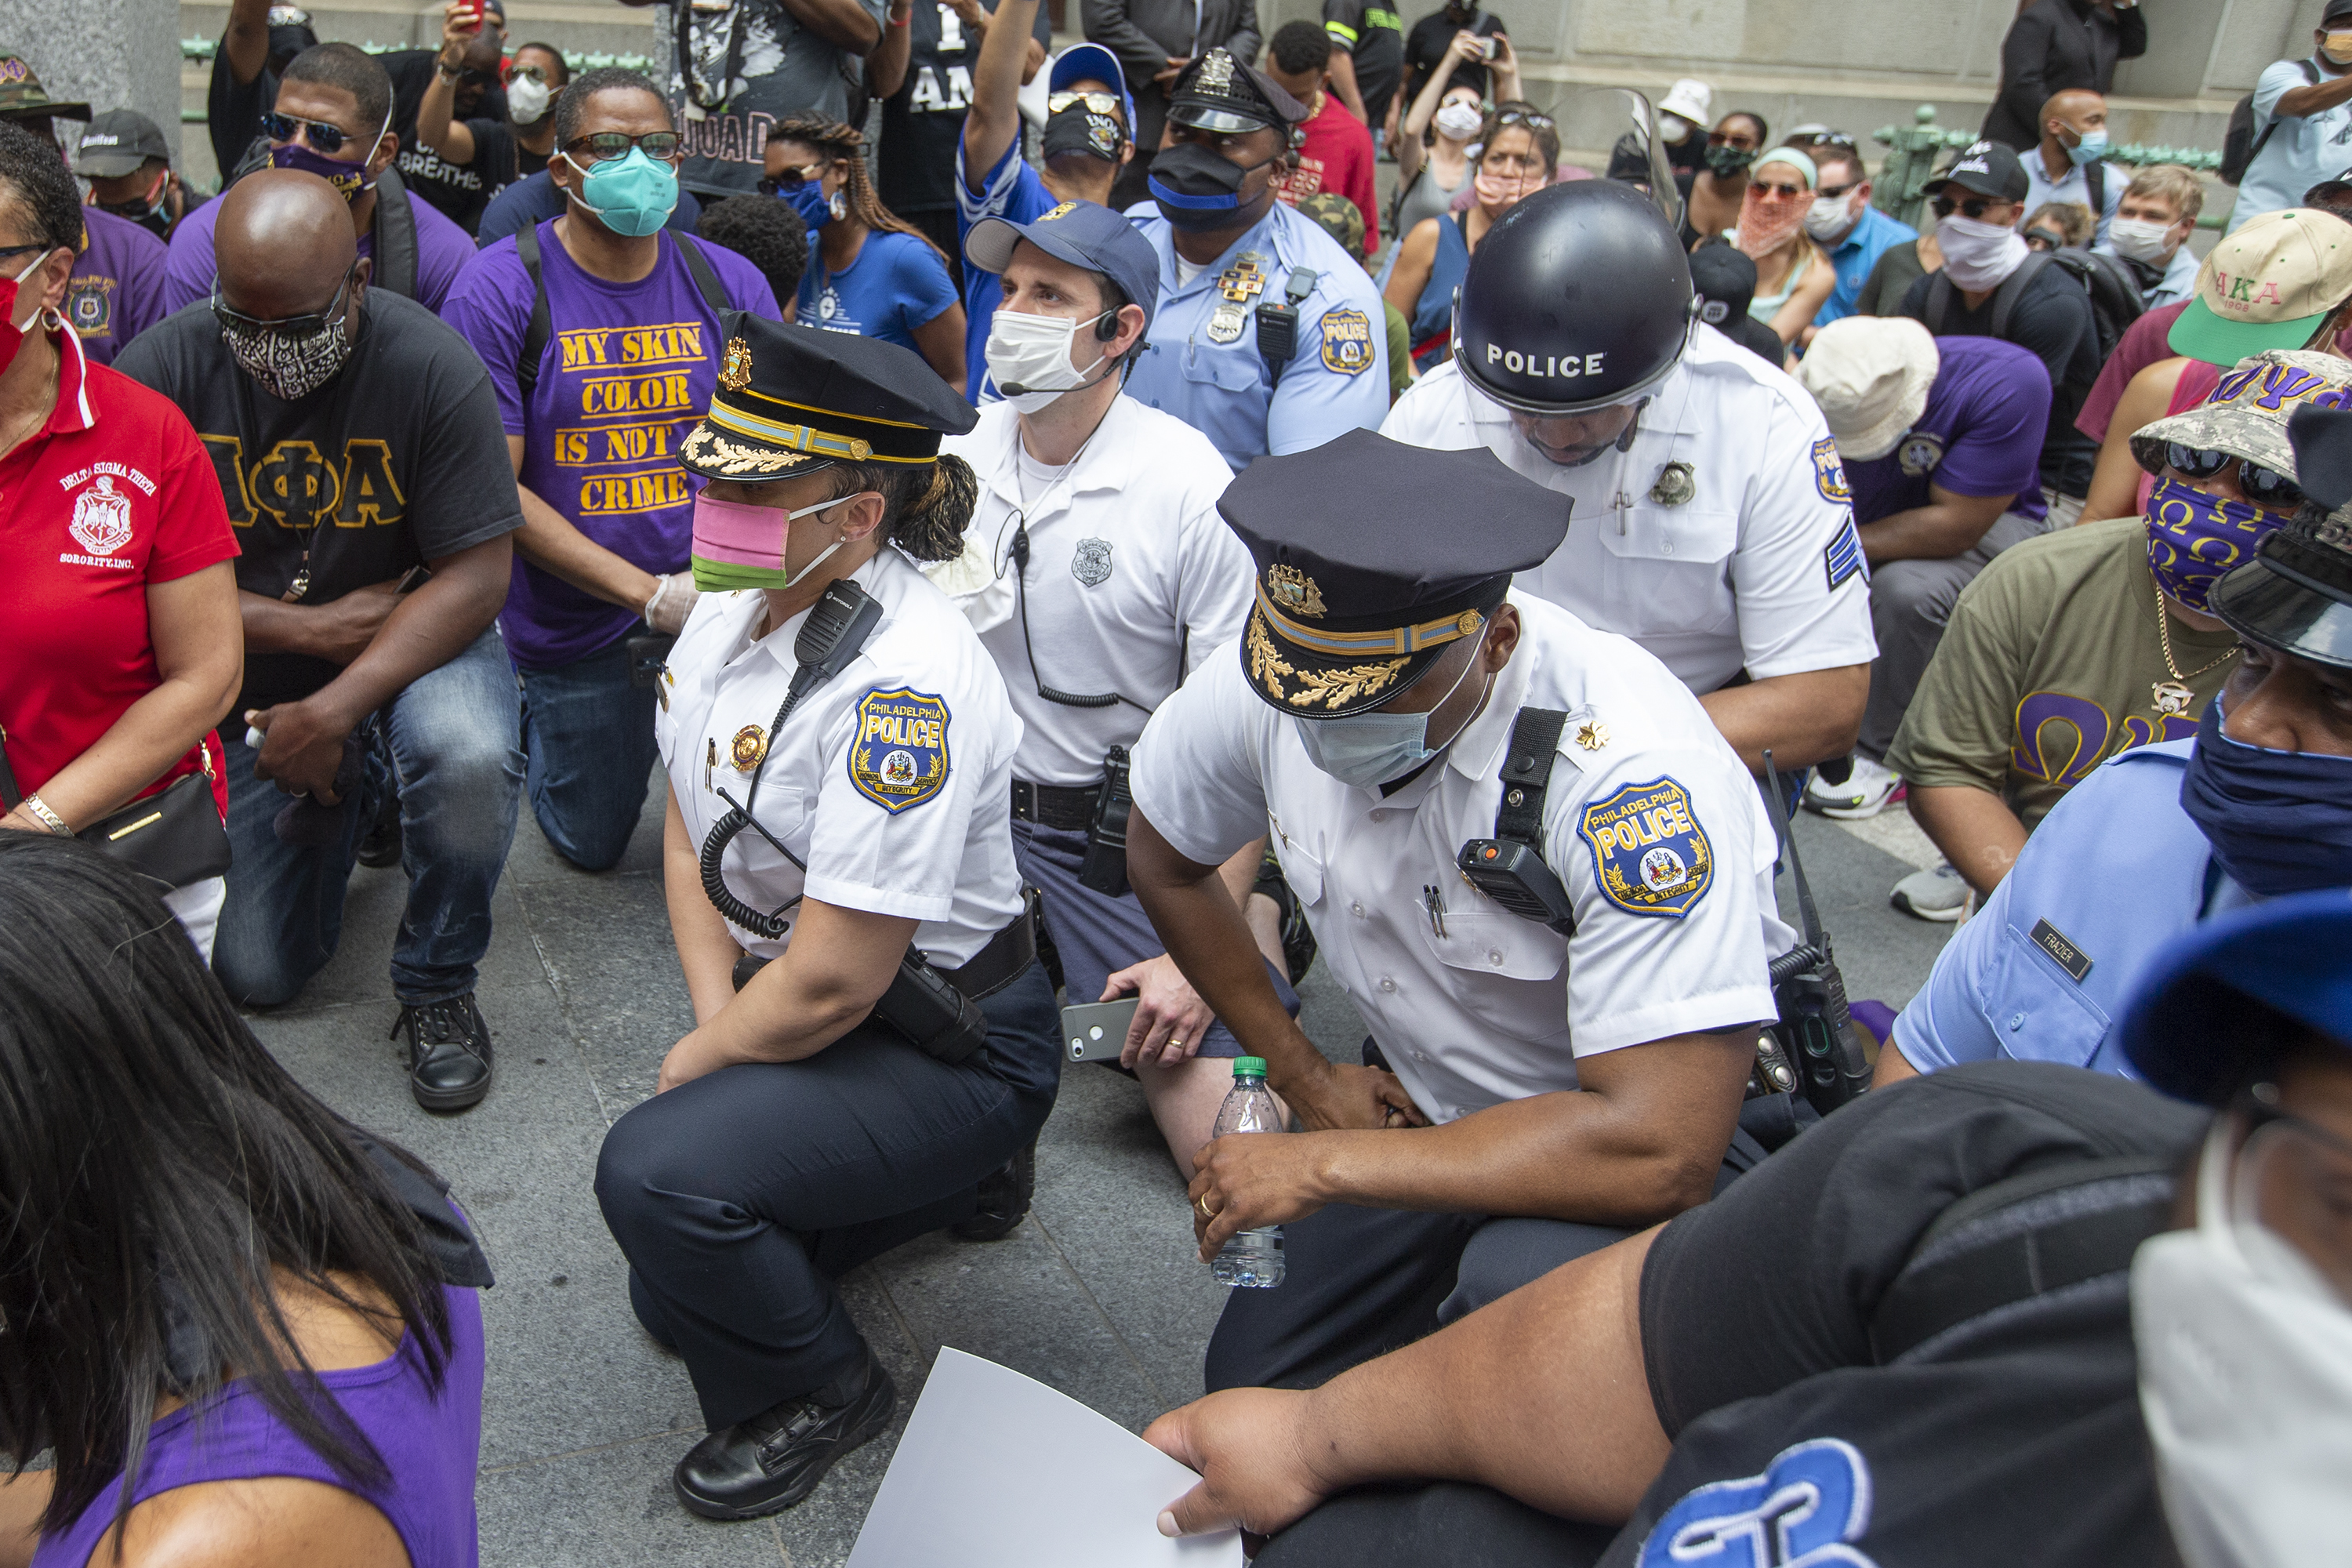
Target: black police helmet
[1579, 297]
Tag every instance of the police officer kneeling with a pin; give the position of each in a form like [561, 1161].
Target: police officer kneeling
[873, 1035]
[1583, 1068]
[1713, 524]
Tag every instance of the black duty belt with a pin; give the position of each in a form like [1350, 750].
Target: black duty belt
[987, 972]
[1050, 805]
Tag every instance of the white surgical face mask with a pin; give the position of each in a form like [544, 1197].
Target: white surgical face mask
[1366, 750]
[1829, 217]
[1978, 254]
[1673, 130]
[1029, 357]
[527, 99]
[2138, 240]
[1458, 121]
[2245, 1385]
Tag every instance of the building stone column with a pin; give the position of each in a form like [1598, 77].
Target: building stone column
[112, 54]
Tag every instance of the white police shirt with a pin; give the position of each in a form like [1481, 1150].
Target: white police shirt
[1203, 363]
[1129, 562]
[1651, 821]
[1760, 569]
[893, 780]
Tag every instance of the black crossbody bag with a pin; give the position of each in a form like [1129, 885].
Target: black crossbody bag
[172, 838]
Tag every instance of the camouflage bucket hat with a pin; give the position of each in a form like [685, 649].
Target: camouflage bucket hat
[21, 96]
[2247, 415]
[1339, 218]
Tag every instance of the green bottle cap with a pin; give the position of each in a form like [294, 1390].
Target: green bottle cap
[1249, 1067]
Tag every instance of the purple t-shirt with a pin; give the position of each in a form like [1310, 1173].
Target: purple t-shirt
[628, 369]
[443, 250]
[116, 292]
[1981, 434]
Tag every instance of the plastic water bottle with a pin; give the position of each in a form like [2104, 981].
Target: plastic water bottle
[1253, 1257]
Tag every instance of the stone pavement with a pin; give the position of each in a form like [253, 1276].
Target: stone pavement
[1097, 1294]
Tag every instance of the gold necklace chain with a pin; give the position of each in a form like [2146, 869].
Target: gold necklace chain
[2173, 697]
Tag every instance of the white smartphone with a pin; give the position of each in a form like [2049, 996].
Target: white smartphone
[1094, 1031]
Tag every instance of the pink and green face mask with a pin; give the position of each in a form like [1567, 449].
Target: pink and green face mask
[739, 546]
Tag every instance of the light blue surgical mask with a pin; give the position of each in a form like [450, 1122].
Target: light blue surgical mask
[2090, 148]
[1366, 750]
[633, 196]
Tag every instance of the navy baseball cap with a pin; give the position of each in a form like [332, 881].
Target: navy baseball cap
[2185, 1028]
[1092, 62]
[1083, 233]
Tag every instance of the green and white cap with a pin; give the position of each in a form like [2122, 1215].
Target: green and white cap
[2268, 286]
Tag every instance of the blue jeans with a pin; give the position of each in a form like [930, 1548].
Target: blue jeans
[589, 736]
[450, 738]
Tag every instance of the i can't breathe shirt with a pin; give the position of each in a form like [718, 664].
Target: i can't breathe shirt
[627, 369]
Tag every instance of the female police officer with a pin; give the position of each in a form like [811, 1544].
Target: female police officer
[840, 752]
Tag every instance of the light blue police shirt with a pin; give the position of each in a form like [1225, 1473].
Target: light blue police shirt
[1337, 378]
[2045, 969]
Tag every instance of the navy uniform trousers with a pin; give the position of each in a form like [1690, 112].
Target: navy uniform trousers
[740, 1198]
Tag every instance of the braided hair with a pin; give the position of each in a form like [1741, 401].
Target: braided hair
[841, 143]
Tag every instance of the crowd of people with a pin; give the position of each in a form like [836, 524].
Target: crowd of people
[1110, 555]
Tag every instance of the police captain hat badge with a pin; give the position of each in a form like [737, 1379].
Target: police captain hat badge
[1216, 72]
[1295, 591]
[1675, 485]
[735, 370]
[748, 749]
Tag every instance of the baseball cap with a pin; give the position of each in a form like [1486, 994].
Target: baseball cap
[1989, 168]
[1083, 233]
[1689, 98]
[2296, 595]
[116, 143]
[1871, 374]
[2267, 286]
[1723, 285]
[1091, 62]
[2184, 1029]
[21, 96]
[1221, 93]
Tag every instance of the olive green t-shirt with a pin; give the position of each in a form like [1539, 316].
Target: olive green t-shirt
[2048, 668]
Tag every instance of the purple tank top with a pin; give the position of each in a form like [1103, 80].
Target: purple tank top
[431, 1447]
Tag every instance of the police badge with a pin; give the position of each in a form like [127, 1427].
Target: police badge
[1919, 453]
[1675, 485]
[1090, 563]
[1226, 324]
[735, 370]
[1294, 592]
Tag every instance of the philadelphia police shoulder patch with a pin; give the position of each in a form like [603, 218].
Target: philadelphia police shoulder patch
[1844, 557]
[898, 758]
[1346, 340]
[1829, 474]
[1649, 852]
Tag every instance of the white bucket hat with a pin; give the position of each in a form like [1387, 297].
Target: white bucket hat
[1870, 376]
[1690, 99]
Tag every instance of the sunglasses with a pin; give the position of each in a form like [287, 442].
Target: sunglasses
[601, 146]
[789, 180]
[1523, 116]
[1971, 207]
[1767, 189]
[1832, 139]
[321, 136]
[294, 325]
[1720, 139]
[2267, 489]
[1100, 102]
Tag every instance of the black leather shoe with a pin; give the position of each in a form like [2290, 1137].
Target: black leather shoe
[449, 1053]
[380, 843]
[1004, 1197]
[767, 1463]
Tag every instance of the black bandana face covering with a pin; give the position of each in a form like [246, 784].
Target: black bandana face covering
[291, 366]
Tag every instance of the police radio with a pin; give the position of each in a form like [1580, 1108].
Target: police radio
[1277, 323]
[1813, 1028]
[1510, 867]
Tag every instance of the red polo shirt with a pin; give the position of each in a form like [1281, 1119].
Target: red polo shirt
[1336, 156]
[114, 493]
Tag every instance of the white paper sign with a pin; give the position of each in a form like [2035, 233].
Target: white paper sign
[997, 1470]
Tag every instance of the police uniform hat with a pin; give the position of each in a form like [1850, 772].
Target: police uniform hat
[1360, 586]
[2296, 595]
[1083, 233]
[2189, 1030]
[793, 399]
[1222, 93]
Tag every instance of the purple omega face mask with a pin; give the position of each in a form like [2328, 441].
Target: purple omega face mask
[2193, 538]
[349, 179]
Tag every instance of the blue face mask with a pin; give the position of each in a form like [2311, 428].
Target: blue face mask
[2090, 148]
[809, 200]
[2279, 822]
[1366, 750]
[633, 196]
